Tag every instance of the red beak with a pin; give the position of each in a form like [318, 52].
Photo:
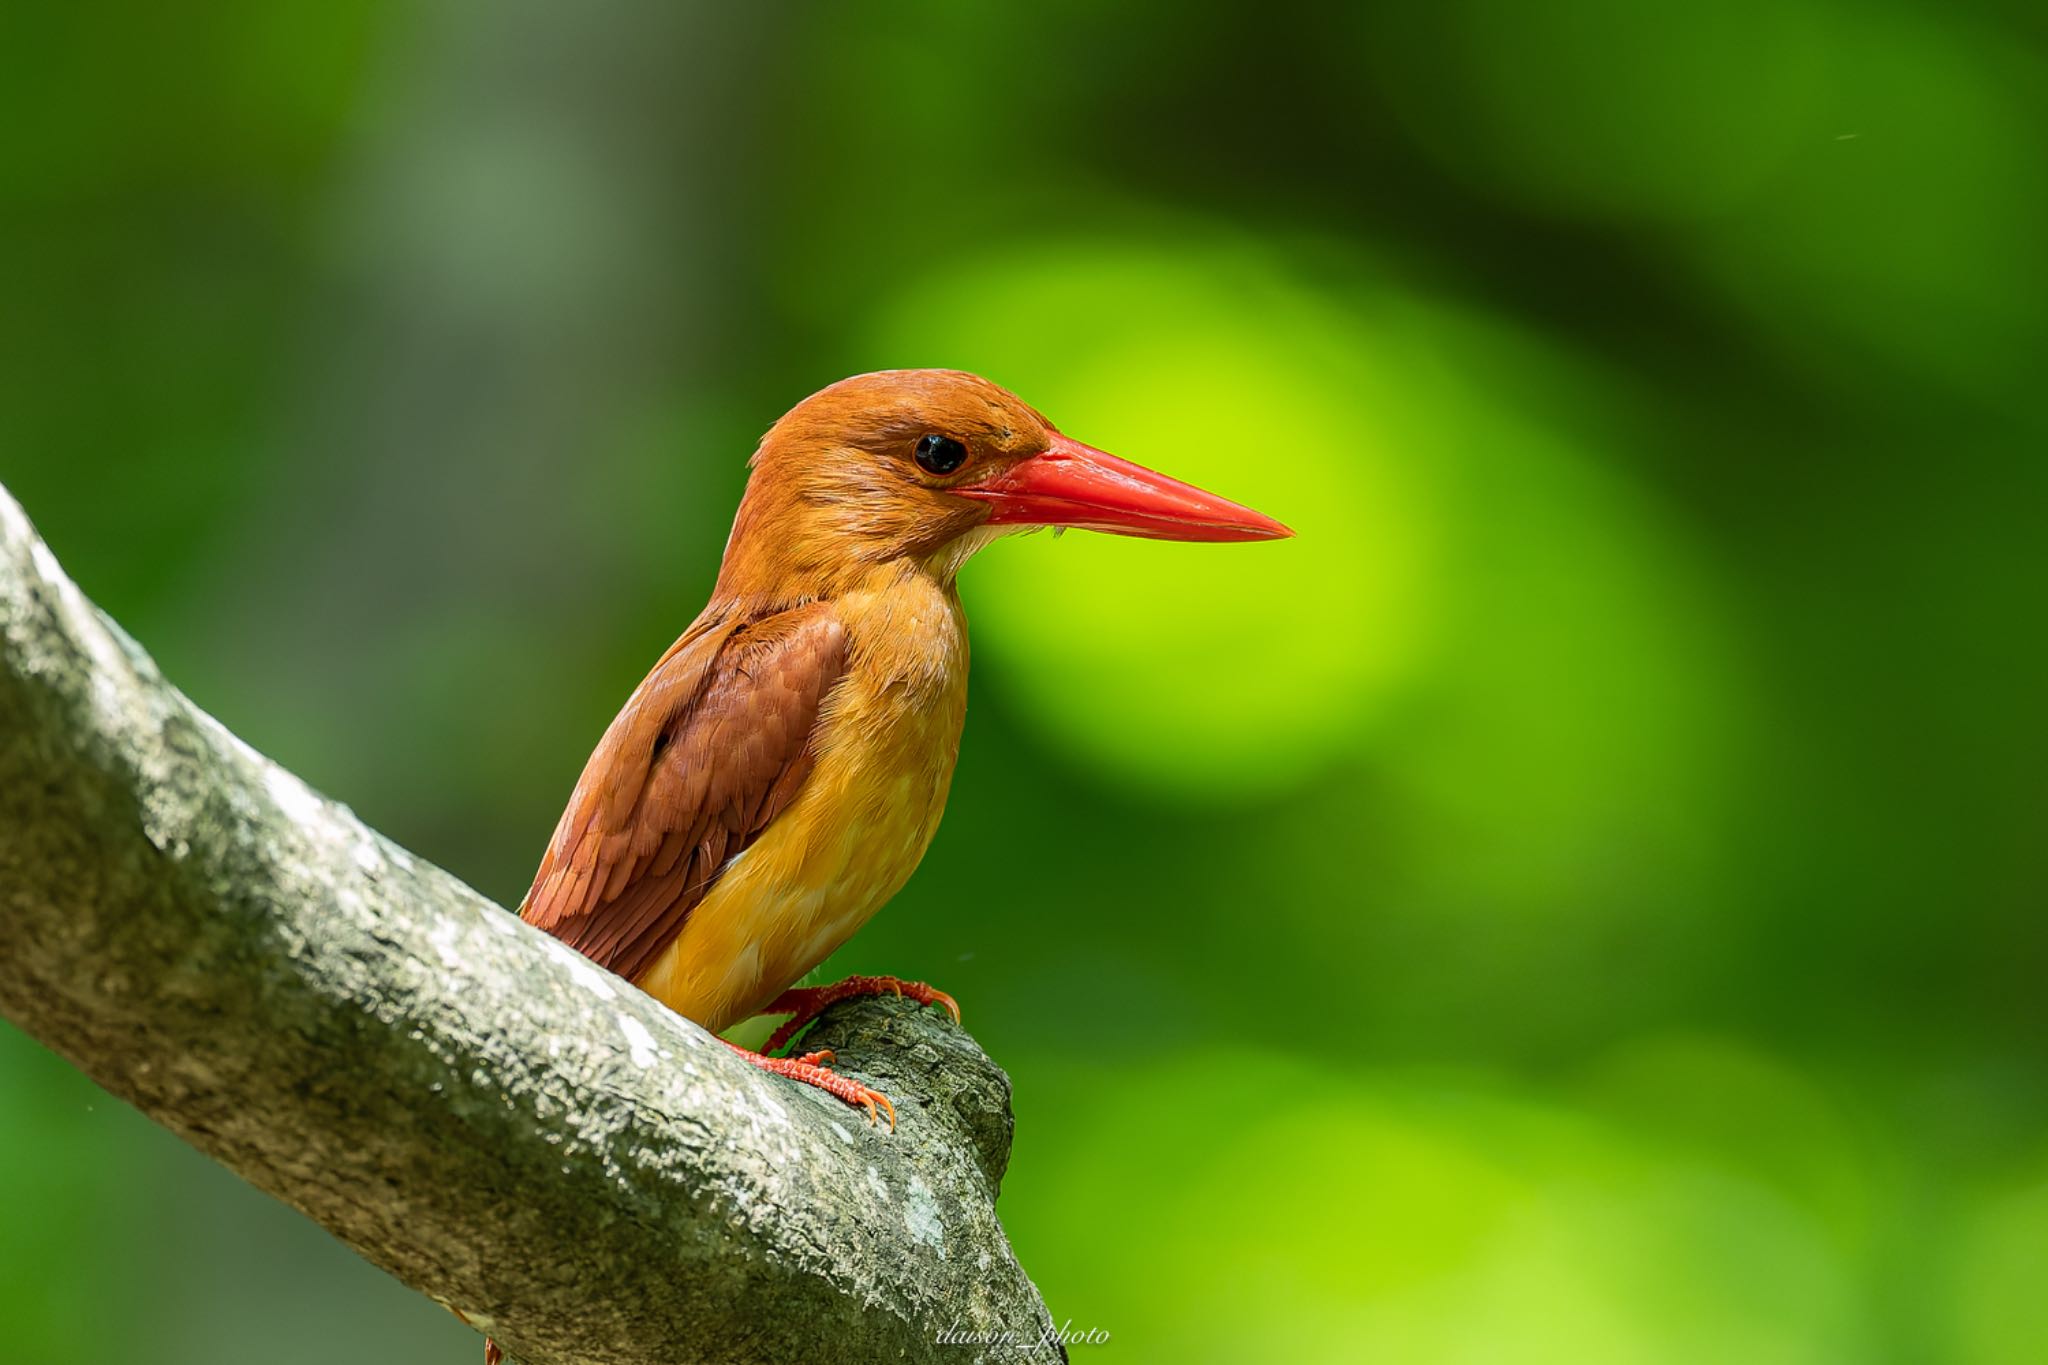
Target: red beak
[1069, 484]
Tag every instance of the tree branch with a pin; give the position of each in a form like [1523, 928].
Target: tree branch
[467, 1103]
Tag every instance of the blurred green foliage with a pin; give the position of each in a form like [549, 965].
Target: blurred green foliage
[1582, 901]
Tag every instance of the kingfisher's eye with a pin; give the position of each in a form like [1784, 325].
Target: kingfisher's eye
[940, 454]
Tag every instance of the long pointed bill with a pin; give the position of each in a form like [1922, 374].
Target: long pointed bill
[1070, 484]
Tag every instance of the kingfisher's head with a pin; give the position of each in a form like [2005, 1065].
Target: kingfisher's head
[929, 465]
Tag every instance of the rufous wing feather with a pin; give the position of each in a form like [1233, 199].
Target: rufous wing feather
[708, 750]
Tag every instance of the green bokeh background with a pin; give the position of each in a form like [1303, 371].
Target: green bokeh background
[1580, 902]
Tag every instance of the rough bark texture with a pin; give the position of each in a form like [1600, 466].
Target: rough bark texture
[461, 1099]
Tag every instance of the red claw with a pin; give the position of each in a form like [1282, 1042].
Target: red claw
[803, 1004]
[810, 1069]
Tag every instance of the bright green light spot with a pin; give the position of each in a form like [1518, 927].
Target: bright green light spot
[1192, 668]
[2002, 1312]
[1421, 1220]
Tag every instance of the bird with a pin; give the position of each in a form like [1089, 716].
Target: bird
[779, 773]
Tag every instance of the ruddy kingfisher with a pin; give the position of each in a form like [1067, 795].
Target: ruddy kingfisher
[778, 775]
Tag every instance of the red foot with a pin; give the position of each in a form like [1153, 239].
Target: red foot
[492, 1355]
[811, 1070]
[806, 1003]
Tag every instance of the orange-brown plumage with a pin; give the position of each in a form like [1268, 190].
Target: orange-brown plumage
[779, 773]
[709, 750]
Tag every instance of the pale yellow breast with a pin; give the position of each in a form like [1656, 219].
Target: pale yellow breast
[887, 742]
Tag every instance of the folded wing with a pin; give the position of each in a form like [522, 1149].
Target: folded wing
[710, 748]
